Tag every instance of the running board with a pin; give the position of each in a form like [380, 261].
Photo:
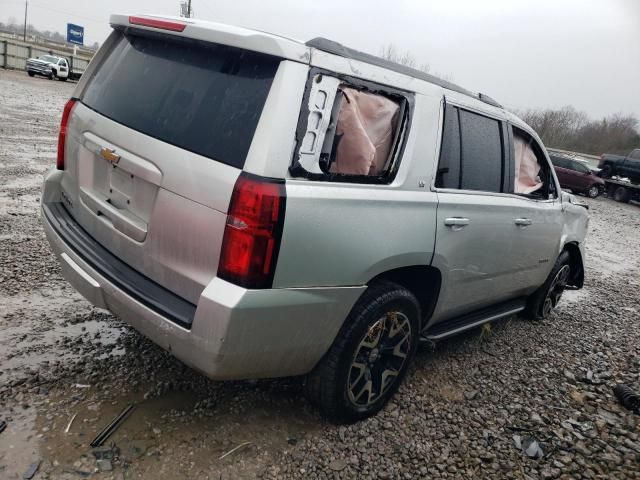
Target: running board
[472, 320]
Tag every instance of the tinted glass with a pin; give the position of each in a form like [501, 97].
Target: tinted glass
[559, 161]
[635, 154]
[482, 158]
[204, 98]
[449, 164]
[580, 167]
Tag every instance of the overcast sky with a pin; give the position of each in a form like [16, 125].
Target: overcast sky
[525, 53]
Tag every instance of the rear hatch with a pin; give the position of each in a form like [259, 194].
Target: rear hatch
[155, 143]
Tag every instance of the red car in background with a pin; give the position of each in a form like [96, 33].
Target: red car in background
[576, 176]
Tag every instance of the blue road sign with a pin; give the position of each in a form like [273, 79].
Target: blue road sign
[75, 34]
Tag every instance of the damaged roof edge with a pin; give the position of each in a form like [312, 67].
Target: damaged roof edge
[336, 48]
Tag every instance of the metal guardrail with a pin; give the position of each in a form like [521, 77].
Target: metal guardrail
[14, 55]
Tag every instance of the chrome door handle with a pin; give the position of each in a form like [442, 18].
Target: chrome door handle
[456, 222]
[523, 222]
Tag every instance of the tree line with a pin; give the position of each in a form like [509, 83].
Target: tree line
[569, 129]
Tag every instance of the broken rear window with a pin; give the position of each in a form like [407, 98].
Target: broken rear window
[351, 132]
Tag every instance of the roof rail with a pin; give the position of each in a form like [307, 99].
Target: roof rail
[336, 48]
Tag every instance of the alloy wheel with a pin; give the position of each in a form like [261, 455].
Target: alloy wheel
[379, 359]
[556, 290]
[593, 192]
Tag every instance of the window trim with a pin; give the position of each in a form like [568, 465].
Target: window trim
[296, 170]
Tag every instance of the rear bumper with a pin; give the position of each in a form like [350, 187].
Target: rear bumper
[235, 333]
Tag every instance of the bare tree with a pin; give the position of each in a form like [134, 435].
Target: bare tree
[390, 52]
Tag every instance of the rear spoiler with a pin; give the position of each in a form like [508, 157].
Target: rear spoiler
[219, 33]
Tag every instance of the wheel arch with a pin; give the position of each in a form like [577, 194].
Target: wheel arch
[577, 264]
[423, 281]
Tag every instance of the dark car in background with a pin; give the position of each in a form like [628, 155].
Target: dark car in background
[618, 165]
[577, 176]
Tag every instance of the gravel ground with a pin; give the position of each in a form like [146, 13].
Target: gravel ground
[465, 404]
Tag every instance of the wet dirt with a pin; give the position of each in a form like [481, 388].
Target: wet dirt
[62, 359]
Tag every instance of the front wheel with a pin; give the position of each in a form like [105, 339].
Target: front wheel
[593, 191]
[31, 74]
[547, 297]
[369, 357]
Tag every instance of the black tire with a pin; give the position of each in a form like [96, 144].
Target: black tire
[622, 194]
[31, 74]
[593, 192]
[51, 76]
[546, 298]
[334, 384]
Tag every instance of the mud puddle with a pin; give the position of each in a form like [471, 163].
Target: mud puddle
[176, 435]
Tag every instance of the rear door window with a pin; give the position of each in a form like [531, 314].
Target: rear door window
[482, 157]
[201, 97]
[472, 152]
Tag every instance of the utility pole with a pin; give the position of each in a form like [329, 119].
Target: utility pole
[24, 33]
[189, 9]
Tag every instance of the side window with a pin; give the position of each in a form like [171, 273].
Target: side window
[448, 175]
[532, 172]
[580, 167]
[558, 161]
[351, 131]
[635, 154]
[471, 155]
[482, 155]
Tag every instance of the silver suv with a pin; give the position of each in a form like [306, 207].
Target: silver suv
[261, 207]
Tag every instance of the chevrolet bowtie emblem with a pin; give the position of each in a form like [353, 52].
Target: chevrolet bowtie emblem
[110, 155]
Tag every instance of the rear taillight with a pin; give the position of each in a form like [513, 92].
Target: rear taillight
[253, 232]
[62, 135]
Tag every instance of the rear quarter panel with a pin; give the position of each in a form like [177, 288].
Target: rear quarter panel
[344, 234]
